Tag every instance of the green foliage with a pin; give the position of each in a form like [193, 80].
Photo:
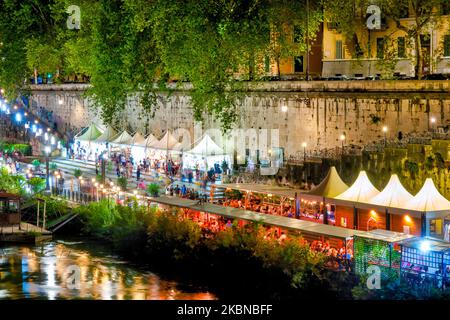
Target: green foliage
[24, 149]
[55, 207]
[37, 184]
[77, 173]
[10, 183]
[53, 166]
[391, 288]
[153, 189]
[36, 163]
[122, 182]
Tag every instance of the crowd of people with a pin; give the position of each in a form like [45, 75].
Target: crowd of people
[339, 258]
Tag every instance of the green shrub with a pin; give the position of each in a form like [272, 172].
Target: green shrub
[122, 182]
[153, 189]
[37, 184]
[77, 173]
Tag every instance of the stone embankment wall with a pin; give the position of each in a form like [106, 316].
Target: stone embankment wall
[317, 112]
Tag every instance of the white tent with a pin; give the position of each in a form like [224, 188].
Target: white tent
[107, 136]
[137, 140]
[330, 187]
[393, 195]
[428, 199]
[206, 147]
[137, 149]
[205, 154]
[89, 135]
[148, 141]
[166, 143]
[121, 139]
[361, 190]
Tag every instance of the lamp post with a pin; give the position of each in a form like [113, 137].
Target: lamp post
[304, 162]
[104, 158]
[342, 138]
[47, 154]
[385, 130]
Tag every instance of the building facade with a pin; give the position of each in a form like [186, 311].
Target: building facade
[388, 50]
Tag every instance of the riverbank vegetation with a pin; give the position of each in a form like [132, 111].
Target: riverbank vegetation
[239, 257]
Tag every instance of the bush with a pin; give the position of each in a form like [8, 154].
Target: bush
[122, 182]
[153, 189]
[77, 173]
[37, 184]
[10, 183]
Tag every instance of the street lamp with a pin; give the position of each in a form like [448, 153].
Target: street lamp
[104, 158]
[342, 138]
[385, 130]
[48, 149]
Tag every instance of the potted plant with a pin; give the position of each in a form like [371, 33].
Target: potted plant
[153, 189]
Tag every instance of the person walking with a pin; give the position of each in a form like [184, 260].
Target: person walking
[138, 173]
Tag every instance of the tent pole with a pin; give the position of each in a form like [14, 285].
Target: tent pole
[423, 225]
[355, 218]
[324, 211]
[388, 220]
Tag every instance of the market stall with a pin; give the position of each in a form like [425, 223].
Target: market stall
[85, 146]
[330, 187]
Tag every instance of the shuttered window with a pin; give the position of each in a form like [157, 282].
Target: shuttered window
[339, 50]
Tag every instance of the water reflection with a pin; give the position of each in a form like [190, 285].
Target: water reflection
[70, 271]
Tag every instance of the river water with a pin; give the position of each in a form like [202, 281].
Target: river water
[83, 270]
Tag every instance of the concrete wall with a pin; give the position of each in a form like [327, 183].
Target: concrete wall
[317, 112]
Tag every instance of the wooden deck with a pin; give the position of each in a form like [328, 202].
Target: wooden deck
[27, 233]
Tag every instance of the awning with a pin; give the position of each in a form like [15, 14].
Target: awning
[278, 221]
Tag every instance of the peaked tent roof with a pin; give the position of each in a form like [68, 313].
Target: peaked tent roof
[123, 138]
[92, 133]
[182, 146]
[107, 136]
[137, 140]
[361, 190]
[428, 199]
[148, 141]
[166, 142]
[331, 186]
[206, 147]
[393, 195]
